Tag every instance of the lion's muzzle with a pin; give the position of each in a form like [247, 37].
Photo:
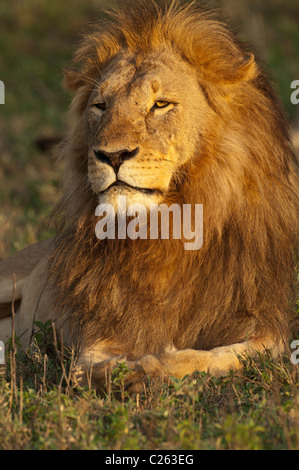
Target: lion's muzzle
[115, 159]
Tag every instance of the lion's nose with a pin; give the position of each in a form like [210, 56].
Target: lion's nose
[115, 159]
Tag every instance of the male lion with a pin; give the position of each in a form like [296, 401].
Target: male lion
[170, 108]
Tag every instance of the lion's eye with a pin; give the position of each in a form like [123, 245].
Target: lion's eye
[161, 104]
[101, 106]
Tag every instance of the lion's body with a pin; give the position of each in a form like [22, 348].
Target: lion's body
[219, 139]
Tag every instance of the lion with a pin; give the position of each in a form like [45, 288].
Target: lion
[169, 108]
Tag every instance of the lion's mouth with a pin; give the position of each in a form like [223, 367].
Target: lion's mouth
[119, 183]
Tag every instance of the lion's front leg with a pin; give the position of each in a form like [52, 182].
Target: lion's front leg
[172, 363]
[99, 375]
[218, 361]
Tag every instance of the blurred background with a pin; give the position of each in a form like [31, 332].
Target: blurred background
[37, 41]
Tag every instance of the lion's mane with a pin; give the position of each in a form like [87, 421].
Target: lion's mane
[241, 282]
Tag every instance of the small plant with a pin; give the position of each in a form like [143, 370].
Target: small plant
[118, 377]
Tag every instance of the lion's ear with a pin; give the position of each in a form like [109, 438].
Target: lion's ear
[73, 80]
[231, 70]
[245, 70]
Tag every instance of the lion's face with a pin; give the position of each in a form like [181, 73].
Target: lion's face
[143, 126]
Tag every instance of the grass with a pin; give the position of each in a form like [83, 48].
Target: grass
[41, 407]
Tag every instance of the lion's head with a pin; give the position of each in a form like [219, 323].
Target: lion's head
[145, 100]
[171, 107]
[141, 120]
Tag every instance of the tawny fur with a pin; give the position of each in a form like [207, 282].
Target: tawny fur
[134, 298]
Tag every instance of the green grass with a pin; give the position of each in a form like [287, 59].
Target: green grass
[40, 405]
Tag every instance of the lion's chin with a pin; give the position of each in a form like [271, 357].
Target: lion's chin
[122, 196]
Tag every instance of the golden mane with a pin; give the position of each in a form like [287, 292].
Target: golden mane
[244, 175]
